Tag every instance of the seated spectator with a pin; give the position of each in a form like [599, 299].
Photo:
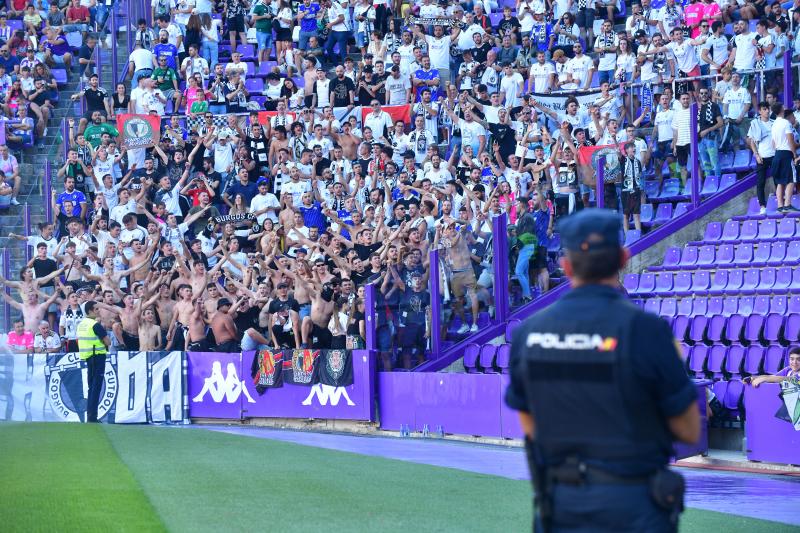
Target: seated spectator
[791, 372]
[46, 340]
[19, 340]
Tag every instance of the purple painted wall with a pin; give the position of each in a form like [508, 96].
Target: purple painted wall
[769, 438]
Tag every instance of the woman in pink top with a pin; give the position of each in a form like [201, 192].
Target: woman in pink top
[194, 93]
[693, 14]
[711, 12]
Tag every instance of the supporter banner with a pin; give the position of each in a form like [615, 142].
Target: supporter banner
[299, 368]
[334, 368]
[139, 387]
[558, 101]
[217, 390]
[588, 158]
[138, 131]
[790, 392]
[397, 112]
[239, 221]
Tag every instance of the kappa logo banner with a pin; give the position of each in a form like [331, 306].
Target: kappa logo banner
[138, 131]
[138, 387]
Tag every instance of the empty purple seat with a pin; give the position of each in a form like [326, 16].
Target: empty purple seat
[718, 282]
[646, 216]
[752, 328]
[716, 360]
[715, 332]
[752, 360]
[701, 281]
[683, 284]
[761, 305]
[513, 323]
[669, 307]
[697, 360]
[725, 255]
[794, 286]
[705, 256]
[672, 258]
[772, 208]
[767, 229]
[791, 328]
[471, 353]
[631, 283]
[779, 305]
[749, 231]
[746, 304]
[503, 356]
[664, 282]
[773, 359]
[787, 228]
[254, 86]
[631, 236]
[734, 328]
[772, 327]
[735, 280]
[733, 397]
[715, 306]
[713, 233]
[730, 305]
[647, 284]
[741, 160]
[685, 351]
[777, 253]
[681, 208]
[486, 361]
[734, 360]
[679, 327]
[671, 188]
[699, 307]
[793, 304]
[751, 279]
[711, 185]
[761, 254]
[653, 305]
[697, 329]
[689, 257]
[685, 307]
[766, 281]
[663, 214]
[727, 180]
[247, 51]
[792, 253]
[730, 232]
[744, 255]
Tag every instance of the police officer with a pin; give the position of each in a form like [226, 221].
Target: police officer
[602, 394]
[93, 343]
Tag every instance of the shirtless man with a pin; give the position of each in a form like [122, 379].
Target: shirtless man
[27, 283]
[314, 328]
[196, 329]
[211, 298]
[224, 329]
[127, 329]
[141, 256]
[164, 306]
[347, 141]
[176, 337]
[149, 332]
[199, 278]
[32, 310]
[71, 261]
[462, 276]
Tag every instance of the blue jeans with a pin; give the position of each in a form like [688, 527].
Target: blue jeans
[521, 268]
[708, 150]
[101, 15]
[209, 50]
[605, 75]
[333, 38]
[264, 39]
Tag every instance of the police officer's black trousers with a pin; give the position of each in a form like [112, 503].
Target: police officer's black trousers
[97, 366]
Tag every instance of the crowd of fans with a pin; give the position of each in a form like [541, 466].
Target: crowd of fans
[235, 231]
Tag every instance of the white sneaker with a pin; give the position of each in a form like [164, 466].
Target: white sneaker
[463, 329]
[14, 201]
[474, 328]
[762, 211]
[491, 311]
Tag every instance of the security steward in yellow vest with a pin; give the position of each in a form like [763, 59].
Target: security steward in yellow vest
[602, 394]
[93, 343]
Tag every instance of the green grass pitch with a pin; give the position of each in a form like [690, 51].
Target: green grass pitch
[72, 477]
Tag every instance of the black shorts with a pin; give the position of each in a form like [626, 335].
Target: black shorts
[236, 23]
[411, 336]
[783, 169]
[539, 259]
[199, 346]
[131, 342]
[631, 203]
[320, 337]
[230, 346]
[584, 18]
[72, 346]
[682, 153]
[610, 199]
[283, 34]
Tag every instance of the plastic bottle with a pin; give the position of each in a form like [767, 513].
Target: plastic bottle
[425, 431]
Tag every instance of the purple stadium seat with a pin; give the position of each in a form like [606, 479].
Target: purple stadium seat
[761, 254]
[653, 305]
[777, 253]
[503, 356]
[794, 286]
[265, 67]
[247, 51]
[733, 396]
[792, 253]
[715, 306]
[705, 257]
[787, 228]
[752, 360]
[697, 360]
[727, 180]
[716, 360]
[651, 189]
[718, 282]
[730, 305]
[699, 307]
[713, 233]
[743, 255]
[647, 284]
[715, 332]
[631, 283]
[767, 229]
[735, 280]
[679, 327]
[730, 232]
[701, 281]
[471, 353]
[749, 231]
[664, 282]
[60, 75]
[671, 188]
[734, 328]
[761, 305]
[746, 304]
[751, 278]
[486, 359]
[779, 304]
[752, 328]
[646, 215]
[495, 18]
[513, 323]
[772, 328]
[689, 257]
[681, 208]
[254, 86]
[734, 360]
[772, 208]
[711, 185]
[669, 307]
[783, 279]
[632, 236]
[753, 210]
[685, 306]
[766, 282]
[672, 258]
[663, 214]
[697, 329]
[791, 328]
[793, 304]
[683, 284]
[773, 359]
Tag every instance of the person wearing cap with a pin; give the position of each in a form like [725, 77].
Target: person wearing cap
[284, 318]
[601, 465]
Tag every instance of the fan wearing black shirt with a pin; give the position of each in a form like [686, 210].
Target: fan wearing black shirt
[509, 25]
[368, 87]
[258, 145]
[414, 310]
[342, 90]
[96, 100]
[284, 319]
[379, 79]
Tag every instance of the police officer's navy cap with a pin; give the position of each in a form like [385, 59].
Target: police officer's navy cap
[590, 229]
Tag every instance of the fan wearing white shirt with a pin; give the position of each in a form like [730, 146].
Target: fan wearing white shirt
[579, 69]
[784, 173]
[511, 86]
[735, 105]
[542, 75]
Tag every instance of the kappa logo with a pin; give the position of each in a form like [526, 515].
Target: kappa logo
[68, 387]
[572, 341]
[327, 393]
[220, 387]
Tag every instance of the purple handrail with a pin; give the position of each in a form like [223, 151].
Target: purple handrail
[114, 68]
[369, 317]
[695, 170]
[48, 191]
[501, 267]
[436, 305]
[65, 134]
[599, 197]
[26, 216]
[787, 79]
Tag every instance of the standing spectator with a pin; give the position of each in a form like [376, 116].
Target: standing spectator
[263, 17]
[710, 124]
[681, 135]
[526, 234]
[339, 31]
[759, 140]
[414, 321]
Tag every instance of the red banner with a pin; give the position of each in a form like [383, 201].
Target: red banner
[397, 112]
[264, 116]
[138, 131]
[588, 157]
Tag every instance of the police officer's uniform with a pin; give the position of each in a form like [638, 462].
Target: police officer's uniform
[92, 349]
[599, 378]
